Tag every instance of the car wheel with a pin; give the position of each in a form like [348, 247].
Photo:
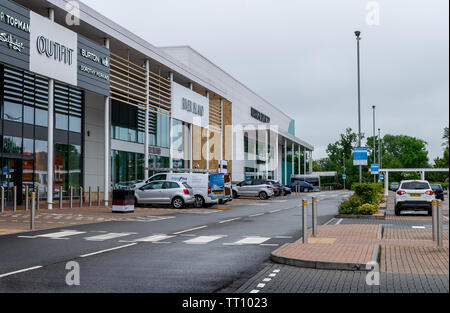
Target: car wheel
[398, 211]
[235, 195]
[178, 203]
[430, 212]
[136, 202]
[263, 195]
[199, 202]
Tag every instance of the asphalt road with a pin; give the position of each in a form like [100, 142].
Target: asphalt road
[194, 252]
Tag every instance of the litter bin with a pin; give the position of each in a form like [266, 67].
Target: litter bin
[123, 201]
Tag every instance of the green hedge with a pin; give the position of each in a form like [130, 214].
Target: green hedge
[365, 201]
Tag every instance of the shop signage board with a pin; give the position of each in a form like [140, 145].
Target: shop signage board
[189, 106]
[360, 156]
[14, 35]
[34, 43]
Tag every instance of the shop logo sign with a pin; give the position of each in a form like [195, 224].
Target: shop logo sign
[193, 107]
[95, 58]
[11, 42]
[260, 117]
[53, 49]
[14, 22]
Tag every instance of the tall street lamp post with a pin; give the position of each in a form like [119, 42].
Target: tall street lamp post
[374, 153]
[358, 39]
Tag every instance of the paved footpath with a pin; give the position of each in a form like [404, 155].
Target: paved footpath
[408, 260]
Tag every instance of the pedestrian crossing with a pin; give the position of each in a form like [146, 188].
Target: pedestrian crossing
[132, 237]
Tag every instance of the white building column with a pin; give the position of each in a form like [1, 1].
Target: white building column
[191, 139]
[267, 131]
[171, 132]
[285, 161]
[310, 162]
[277, 157]
[299, 160]
[293, 159]
[51, 125]
[207, 138]
[304, 162]
[107, 151]
[422, 175]
[221, 158]
[147, 120]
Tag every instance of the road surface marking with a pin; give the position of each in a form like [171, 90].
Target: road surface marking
[277, 271]
[154, 238]
[340, 221]
[272, 275]
[283, 237]
[20, 271]
[255, 215]
[276, 211]
[419, 227]
[266, 280]
[58, 235]
[254, 291]
[261, 286]
[329, 222]
[107, 250]
[270, 245]
[252, 241]
[231, 220]
[189, 230]
[108, 236]
[202, 240]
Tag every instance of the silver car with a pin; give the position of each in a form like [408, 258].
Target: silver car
[253, 188]
[177, 194]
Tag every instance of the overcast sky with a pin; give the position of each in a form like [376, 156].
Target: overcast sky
[301, 56]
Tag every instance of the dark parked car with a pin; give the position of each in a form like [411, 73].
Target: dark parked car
[394, 187]
[302, 186]
[438, 191]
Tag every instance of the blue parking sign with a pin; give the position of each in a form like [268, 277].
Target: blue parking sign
[360, 156]
[381, 176]
[344, 177]
[375, 169]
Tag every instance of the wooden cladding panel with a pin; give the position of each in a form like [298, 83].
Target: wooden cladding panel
[228, 133]
[129, 85]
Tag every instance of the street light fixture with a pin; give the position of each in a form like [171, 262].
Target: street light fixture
[358, 39]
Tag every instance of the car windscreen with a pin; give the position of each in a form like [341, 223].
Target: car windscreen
[436, 187]
[415, 185]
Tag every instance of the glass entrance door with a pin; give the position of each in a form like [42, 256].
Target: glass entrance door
[12, 176]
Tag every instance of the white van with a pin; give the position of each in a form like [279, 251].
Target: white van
[198, 182]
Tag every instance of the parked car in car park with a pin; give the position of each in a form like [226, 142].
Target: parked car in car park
[302, 186]
[414, 195]
[438, 191]
[177, 194]
[254, 188]
[198, 182]
[394, 187]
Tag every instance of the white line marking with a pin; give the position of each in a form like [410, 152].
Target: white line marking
[277, 271]
[62, 234]
[272, 275]
[270, 245]
[231, 220]
[261, 286]
[254, 291]
[266, 280]
[154, 238]
[202, 240]
[20, 271]
[283, 237]
[108, 236]
[276, 211]
[329, 222]
[419, 227]
[252, 241]
[340, 221]
[189, 230]
[107, 250]
[255, 215]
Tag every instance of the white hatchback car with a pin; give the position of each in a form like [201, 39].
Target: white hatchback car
[414, 195]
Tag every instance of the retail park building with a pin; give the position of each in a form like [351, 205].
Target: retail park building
[95, 105]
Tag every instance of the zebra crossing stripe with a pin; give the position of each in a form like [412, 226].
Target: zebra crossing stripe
[154, 238]
[201, 240]
[108, 236]
[61, 234]
[251, 241]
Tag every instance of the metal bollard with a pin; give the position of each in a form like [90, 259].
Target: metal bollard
[434, 220]
[305, 220]
[38, 198]
[314, 216]
[440, 241]
[60, 197]
[3, 200]
[33, 210]
[81, 197]
[98, 196]
[27, 191]
[71, 197]
[90, 196]
[15, 198]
